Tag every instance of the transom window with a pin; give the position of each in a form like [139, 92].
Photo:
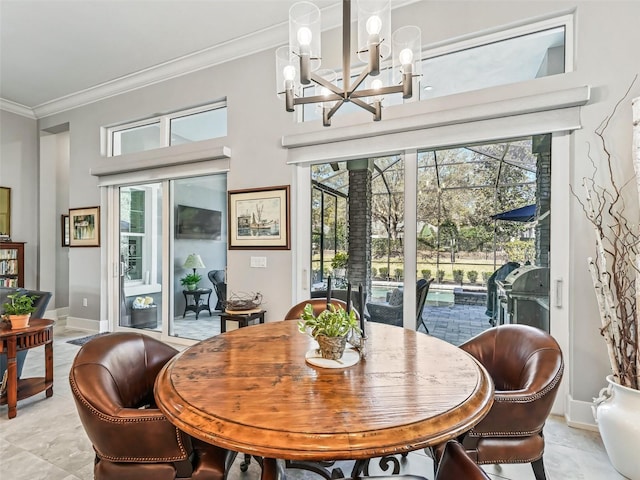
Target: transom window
[503, 57]
[186, 126]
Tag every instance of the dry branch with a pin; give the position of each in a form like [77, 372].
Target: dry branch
[615, 270]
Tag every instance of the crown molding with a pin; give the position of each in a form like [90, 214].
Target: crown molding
[240, 47]
[231, 50]
[12, 107]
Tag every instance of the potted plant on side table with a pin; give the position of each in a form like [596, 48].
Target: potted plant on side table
[18, 310]
[331, 329]
[190, 281]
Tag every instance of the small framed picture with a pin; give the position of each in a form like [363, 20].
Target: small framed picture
[65, 230]
[259, 218]
[84, 227]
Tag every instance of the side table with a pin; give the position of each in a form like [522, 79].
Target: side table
[198, 304]
[39, 332]
[243, 317]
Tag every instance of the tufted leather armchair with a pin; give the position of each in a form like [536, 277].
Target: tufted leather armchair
[526, 366]
[112, 379]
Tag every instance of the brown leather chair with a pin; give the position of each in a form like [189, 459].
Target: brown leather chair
[319, 306]
[526, 366]
[112, 379]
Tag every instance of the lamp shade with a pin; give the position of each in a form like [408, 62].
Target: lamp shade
[193, 261]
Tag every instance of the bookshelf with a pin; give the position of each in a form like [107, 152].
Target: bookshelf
[11, 264]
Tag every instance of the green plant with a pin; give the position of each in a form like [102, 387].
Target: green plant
[339, 260]
[398, 273]
[458, 276]
[191, 279]
[485, 276]
[426, 273]
[374, 272]
[335, 322]
[384, 272]
[440, 275]
[472, 275]
[20, 304]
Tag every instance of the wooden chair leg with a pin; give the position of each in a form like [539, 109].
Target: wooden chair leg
[538, 469]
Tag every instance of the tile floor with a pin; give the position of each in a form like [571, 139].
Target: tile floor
[46, 440]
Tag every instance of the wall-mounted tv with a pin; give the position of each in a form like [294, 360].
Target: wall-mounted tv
[198, 223]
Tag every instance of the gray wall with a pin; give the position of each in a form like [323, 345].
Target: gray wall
[606, 40]
[19, 171]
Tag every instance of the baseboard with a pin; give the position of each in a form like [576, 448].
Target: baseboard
[579, 414]
[84, 324]
[59, 315]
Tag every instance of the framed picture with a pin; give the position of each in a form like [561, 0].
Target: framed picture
[84, 227]
[259, 218]
[5, 211]
[65, 230]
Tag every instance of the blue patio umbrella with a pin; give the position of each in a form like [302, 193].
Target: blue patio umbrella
[522, 214]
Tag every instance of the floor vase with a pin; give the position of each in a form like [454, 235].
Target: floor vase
[617, 412]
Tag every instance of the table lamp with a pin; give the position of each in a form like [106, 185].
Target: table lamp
[193, 261]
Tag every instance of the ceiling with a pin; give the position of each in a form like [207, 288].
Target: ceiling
[55, 55]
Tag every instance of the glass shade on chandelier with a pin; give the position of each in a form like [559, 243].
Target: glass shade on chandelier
[298, 64]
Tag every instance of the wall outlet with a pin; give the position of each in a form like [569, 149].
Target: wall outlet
[258, 262]
[85, 302]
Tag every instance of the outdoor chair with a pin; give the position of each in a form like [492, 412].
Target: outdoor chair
[341, 294]
[390, 312]
[217, 278]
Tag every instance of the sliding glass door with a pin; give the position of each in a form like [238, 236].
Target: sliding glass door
[140, 253]
[170, 233]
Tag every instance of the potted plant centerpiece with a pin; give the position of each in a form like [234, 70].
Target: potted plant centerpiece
[18, 311]
[615, 271]
[190, 281]
[330, 329]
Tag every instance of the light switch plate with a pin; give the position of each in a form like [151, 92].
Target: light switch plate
[258, 262]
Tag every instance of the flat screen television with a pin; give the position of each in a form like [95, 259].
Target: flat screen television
[198, 223]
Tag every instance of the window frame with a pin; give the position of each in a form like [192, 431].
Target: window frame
[164, 122]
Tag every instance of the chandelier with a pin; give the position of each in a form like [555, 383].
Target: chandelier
[298, 64]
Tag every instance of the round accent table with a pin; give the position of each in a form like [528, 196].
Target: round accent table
[39, 332]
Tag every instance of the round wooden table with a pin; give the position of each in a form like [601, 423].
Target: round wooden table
[250, 390]
[39, 332]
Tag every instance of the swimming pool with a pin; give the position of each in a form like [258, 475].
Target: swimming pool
[435, 297]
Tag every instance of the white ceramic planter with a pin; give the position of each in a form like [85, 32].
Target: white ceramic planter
[617, 412]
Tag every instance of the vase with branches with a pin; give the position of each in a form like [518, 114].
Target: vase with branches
[615, 269]
[612, 210]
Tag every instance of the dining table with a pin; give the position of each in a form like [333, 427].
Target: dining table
[252, 390]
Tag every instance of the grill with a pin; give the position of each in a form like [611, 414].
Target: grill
[523, 297]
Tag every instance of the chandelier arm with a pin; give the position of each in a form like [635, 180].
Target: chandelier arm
[334, 109]
[363, 75]
[371, 92]
[328, 85]
[317, 99]
[364, 105]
